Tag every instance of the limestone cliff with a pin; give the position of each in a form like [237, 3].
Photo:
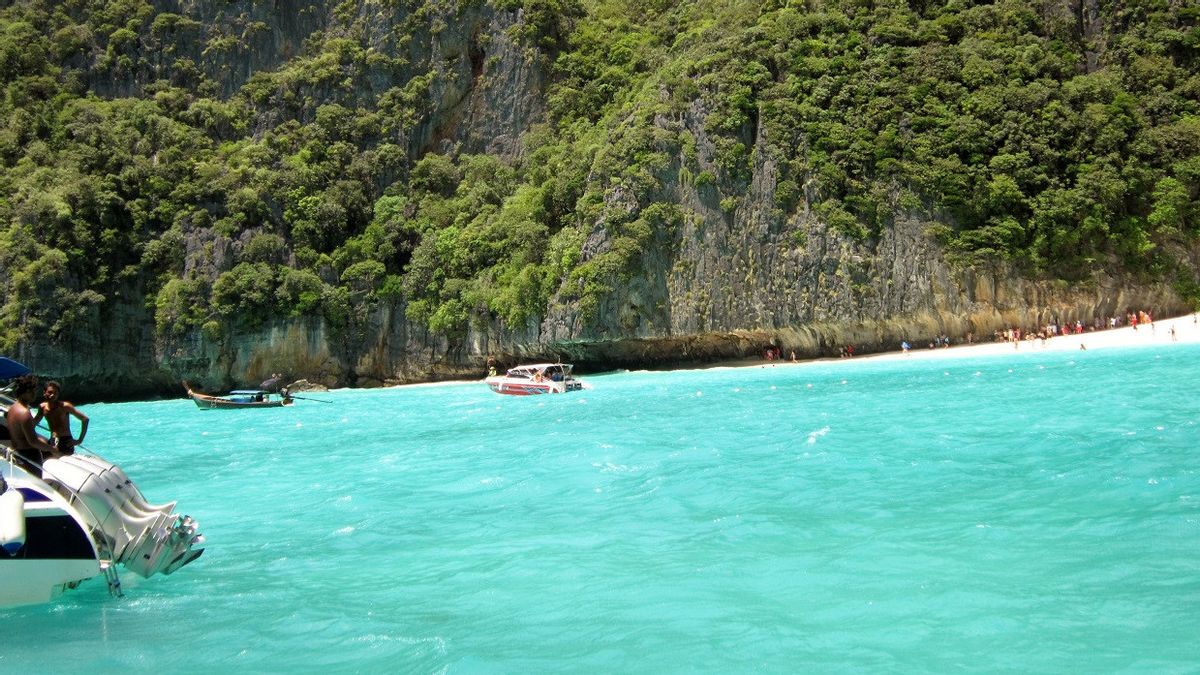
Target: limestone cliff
[735, 275]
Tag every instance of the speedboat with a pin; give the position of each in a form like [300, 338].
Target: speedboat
[77, 517]
[535, 378]
[240, 398]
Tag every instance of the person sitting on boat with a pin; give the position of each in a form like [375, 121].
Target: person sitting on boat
[28, 447]
[56, 412]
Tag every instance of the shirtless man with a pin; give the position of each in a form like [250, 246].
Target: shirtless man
[26, 444]
[55, 411]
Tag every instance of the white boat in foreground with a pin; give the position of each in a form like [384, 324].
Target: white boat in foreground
[80, 517]
[536, 378]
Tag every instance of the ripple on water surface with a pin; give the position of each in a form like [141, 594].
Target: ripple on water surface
[1024, 513]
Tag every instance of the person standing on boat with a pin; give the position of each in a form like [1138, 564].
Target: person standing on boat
[26, 443]
[56, 410]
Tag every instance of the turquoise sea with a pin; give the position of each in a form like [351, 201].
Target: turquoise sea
[1027, 513]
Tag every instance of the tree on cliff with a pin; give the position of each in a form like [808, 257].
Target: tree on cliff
[231, 167]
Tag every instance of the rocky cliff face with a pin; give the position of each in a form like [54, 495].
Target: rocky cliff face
[733, 278]
[718, 292]
[730, 284]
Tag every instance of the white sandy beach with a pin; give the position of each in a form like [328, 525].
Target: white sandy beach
[1159, 333]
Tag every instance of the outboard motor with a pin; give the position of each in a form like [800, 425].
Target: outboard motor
[146, 538]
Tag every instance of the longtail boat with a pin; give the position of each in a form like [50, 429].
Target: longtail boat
[240, 398]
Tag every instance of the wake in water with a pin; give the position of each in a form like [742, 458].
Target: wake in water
[667, 525]
[814, 435]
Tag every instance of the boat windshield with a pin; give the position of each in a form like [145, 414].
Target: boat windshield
[553, 371]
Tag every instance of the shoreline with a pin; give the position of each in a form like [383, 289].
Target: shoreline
[1158, 333]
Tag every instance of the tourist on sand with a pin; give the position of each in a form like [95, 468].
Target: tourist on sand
[56, 412]
[29, 448]
[904, 346]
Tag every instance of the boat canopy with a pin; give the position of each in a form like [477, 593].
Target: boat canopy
[248, 392]
[10, 369]
[528, 370]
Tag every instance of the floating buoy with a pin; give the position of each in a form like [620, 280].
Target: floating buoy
[12, 521]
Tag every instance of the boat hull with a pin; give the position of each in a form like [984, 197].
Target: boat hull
[57, 554]
[32, 582]
[217, 403]
[246, 398]
[515, 387]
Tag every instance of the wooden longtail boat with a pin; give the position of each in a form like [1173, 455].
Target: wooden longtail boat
[239, 398]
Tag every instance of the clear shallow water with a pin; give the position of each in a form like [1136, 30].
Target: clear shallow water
[1038, 512]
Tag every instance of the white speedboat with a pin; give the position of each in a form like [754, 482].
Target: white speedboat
[536, 378]
[80, 517]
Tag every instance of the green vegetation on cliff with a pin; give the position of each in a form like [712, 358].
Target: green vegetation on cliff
[231, 180]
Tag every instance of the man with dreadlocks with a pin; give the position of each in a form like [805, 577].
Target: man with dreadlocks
[26, 444]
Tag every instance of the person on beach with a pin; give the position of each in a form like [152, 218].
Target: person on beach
[29, 448]
[57, 412]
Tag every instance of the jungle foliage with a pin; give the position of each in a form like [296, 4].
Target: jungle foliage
[1017, 130]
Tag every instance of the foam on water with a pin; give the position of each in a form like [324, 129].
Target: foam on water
[1025, 513]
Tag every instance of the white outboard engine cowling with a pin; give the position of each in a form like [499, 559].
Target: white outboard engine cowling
[146, 538]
